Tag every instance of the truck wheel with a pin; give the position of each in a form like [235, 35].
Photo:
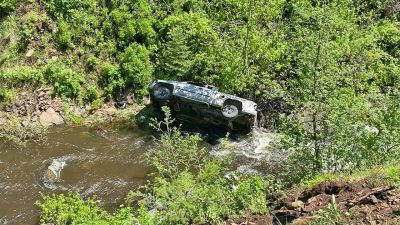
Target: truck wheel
[162, 93]
[230, 111]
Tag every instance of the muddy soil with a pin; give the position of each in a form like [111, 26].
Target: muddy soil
[358, 202]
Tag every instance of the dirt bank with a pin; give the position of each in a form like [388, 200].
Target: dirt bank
[338, 202]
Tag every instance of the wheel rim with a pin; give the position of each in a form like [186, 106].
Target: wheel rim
[162, 93]
[230, 111]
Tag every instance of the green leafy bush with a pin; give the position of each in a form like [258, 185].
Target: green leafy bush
[72, 209]
[6, 95]
[207, 197]
[7, 6]
[67, 7]
[66, 82]
[186, 52]
[18, 77]
[92, 93]
[136, 67]
[96, 104]
[111, 79]
[21, 75]
[92, 62]
[63, 38]
[175, 153]
[190, 186]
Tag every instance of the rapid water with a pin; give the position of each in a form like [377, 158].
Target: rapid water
[105, 164]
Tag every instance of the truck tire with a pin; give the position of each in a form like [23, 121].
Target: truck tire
[162, 93]
[231, 108]
[230, 111]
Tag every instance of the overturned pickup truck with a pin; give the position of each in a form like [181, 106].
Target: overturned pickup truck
[196, 102]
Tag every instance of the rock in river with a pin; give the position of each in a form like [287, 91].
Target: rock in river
[50, 117]
[51, 175]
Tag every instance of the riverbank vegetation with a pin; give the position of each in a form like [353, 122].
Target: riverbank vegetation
[325, 73]
[188, 186]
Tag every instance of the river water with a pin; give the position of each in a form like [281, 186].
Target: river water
[105, 165]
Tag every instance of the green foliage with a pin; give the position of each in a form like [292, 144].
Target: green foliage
[63, 38]
[330, 216]
[7, 6]
[204, 198]
[187, 49]
[66, 82]
[28, 27]
[175, 152]
[189, 186]
[72, 209]
[6, 95]
[111, 78]
[96, 104]
[92, 93]
[21, 75]
[67, 7]
[92, 62]
[18, 77]
[136, 67]
[132, 21]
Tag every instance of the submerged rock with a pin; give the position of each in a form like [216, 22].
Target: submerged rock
[100, 132]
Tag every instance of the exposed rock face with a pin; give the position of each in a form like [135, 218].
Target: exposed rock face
[50, 117]
[43, 99]
[32, 103]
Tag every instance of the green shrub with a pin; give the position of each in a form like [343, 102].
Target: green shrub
[21, 75]
[111, 78]
[63, 38]
[28, 26]
[205, 198]
[66, 82]
[176, 153]
[190, 187]
[130, 27]
[67, 7]
[92, 93]
[96, 104]
[136, 67]
[6, 95]
[72, 209]
[7, 6]
[124, 22]
[18, 77]
[92, 62]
